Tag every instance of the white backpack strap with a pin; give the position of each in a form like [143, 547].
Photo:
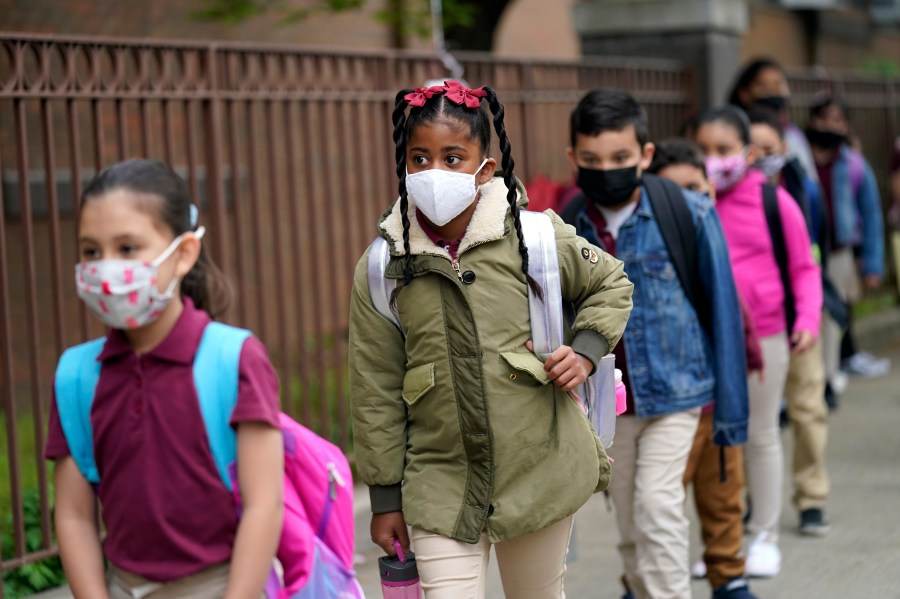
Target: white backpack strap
[547, 323]
[381, 287]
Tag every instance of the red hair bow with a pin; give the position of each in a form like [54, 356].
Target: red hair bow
[459, 93]
[420, 95]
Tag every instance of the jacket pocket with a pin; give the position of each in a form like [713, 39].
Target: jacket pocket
[418, 381]
[659, 267]
[528, 363]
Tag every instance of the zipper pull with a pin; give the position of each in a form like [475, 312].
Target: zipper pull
[454, 262]
[334, 480]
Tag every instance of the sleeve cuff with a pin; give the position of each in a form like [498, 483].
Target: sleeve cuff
[591, 345]
[385, 498]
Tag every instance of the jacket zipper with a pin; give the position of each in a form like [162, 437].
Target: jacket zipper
[454, 262]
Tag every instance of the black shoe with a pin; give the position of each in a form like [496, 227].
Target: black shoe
[783, 420]
[831, 398]
[736, 588]
[813, 523]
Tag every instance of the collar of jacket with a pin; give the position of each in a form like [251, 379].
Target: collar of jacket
[489, 222]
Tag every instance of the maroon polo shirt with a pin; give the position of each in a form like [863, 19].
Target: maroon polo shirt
[166, 511]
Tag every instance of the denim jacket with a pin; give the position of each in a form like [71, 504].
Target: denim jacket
[857, 209]
[674, 364]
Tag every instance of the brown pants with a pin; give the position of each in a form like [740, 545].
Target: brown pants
[206, 584]
[720, 505]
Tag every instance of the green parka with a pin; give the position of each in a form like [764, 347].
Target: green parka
[456, 422]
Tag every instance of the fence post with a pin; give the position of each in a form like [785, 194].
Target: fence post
[212, 120]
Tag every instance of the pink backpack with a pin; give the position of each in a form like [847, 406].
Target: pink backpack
[317, 540]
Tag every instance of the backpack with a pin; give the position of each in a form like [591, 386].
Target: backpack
[836, 307]
[548, 320]
[316, 550]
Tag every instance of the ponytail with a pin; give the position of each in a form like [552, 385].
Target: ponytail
[208, 286]
[507, 164]
[399, 119]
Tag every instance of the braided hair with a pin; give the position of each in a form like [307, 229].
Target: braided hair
[438, 107]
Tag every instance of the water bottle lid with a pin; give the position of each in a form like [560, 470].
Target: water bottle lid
[392, 570]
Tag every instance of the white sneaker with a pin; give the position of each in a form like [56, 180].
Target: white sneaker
[698, 570]
[763, 558]
[865, 365]
[839, 382]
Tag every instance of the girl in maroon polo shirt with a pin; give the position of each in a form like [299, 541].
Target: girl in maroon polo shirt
[172, 530]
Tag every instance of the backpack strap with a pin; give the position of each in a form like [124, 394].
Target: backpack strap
[856, 169]
[575, 206]
[216, 372]
[381, 287]
[546, 316]
[676, 224]
[776, 232]
[75, 383]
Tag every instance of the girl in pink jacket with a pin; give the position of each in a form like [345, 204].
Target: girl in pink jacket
[724, 136]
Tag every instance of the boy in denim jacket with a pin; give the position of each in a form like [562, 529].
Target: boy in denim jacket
[673, 363]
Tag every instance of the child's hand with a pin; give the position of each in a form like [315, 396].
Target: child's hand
[801, 341]
[566, 368]
[387, 527]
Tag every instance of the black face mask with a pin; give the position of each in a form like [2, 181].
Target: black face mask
[824, 138]
[609, 188]
[773, 102]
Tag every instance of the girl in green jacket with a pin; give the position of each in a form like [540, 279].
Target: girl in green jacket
[461, 431]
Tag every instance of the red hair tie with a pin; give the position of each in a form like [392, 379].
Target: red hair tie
[420, 95]
[460, 94]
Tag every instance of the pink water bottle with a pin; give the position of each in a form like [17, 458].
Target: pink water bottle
[399, 576]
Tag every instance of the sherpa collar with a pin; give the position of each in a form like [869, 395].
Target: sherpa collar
[488, 223]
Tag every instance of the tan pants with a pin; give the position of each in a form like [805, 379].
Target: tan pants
[531, 567]
[763, 453]
[647, 489]
[206, 584]
[842, 272]
[720, 504]
[808, 413]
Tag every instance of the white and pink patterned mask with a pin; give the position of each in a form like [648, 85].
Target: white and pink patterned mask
[725, 172]
[123, 293]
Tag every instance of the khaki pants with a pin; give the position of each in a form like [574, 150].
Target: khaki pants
[842, 272]
[206, 584]
[720, 504]
[808, 413]
[647, 489]
[531, 567]
[763, 453]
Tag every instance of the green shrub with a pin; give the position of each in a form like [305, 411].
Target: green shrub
[29, 579]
